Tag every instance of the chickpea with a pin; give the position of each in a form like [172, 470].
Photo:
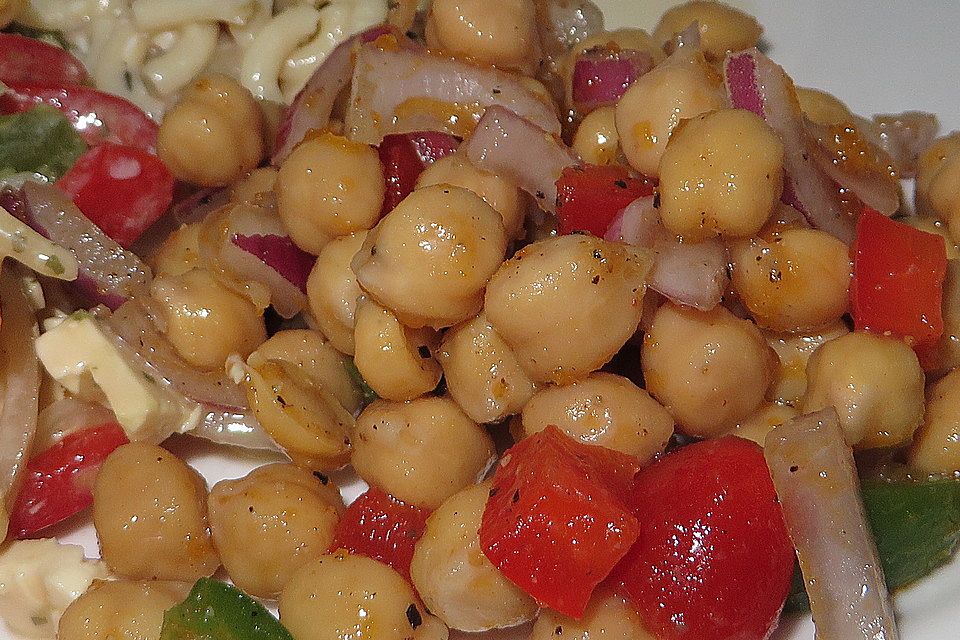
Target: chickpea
[709, 368]
[291, 514]
[874, 382]
[722, 28]
[943, 194]
[405, 449]
[500, 194]
[214, 134]
[206, 322]
[929, 165]
[429, 259]
[721, 174]
[395, 361]
[946, 355]
[646, 115]
[329, 187]
[822, 107]
[120, 609]
[482, 372]
[456, 581]
[256, 188]
[933, 225]
[332, 290]
[179, 253]
[596, 140]
[936, 446]
[347, 596]
[794, 351]
[608, 616]
[150, 513]
[506, 38]
[797, 282]
[546, 302]
[602, 409]
[9, 9]
[758, 424]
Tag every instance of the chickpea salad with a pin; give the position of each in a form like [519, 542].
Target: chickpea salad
[515, 323]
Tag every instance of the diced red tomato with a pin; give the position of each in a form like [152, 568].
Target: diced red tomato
[123, 190]
[25, 59]
[713, 560]
[404, 157]
[590, 196]
[898, 274]
[557, 520]
[381, 527]
[58, 482]
[97, 116]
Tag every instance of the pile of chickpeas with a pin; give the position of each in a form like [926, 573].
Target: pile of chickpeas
[437, 289]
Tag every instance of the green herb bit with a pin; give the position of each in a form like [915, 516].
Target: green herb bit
[218, 611]
[40, 140]
[369, 395]
[56, 267]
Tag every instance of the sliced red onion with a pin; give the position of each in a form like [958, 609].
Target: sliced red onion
[755, 83]
[198, 205]
[233, 428]
[517, 149]
[601, 77]
[398, 91]
[280, 254]
[905, 136]
[638, 223]
[563, 24]
[816, 480]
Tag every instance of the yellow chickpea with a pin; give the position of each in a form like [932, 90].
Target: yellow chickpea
[928, 166]
[946, 355]
[722, 28]
[936, 226]
[506, 38]
[596, 140]
[608, 616]
[429, 259]
[256, 188]
[112, 609]
[794, 351]
[874, 382]
[332, 290]
[936, 446]
[682, 87]
[709, 369]
[214, 134]
[179, 253]
[758, 424]
[329, 187]
[721, 174]
[943, 194]
[822, 107]
[798, 281]
[207, 322]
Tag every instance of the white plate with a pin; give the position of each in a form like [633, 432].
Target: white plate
[878, 57]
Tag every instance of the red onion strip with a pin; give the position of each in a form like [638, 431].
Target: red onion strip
[601, 77]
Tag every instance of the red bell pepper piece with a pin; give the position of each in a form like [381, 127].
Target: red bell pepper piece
[25, 59]
[897, 286]
[590, 196]
[123, 190]
[404, 157]
[58, 482]
[713, 560]
[381, 527]
[557, 521]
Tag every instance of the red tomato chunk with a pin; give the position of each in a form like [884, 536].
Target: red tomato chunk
[589, 197]
[557, 521]
[404, 157]
[25, 59]
[713, 560]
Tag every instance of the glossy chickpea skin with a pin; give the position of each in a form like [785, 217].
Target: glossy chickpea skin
[255, 188]
[943, 193]
[721, 174]
[798, 281]
[936, 447]
[406, 449]
[120, 609]
[822, 107]
[596, 140]
[206, 322]
[874, 382]
[271, 522]
[429, 259]
[768, 416]
[179, 253]
[214, 134]
[602, 409]
[722, 28]
[328, 187]
[546, 301]
[608, 616]
[794, 351]
[332, 290]
[929, 165]
[506, 38]
[150, 513]
[457, 582]
[709, 369]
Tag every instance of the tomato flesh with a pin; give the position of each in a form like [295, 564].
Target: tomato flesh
[24, 59]
[557, 521]
[589, 197]
[404, 157]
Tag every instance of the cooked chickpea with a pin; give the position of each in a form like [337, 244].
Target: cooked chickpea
[722, 28]
[113, 609]
[946, 355]
[206, 322]
[456, 581]
[150, 513]
[271, 522]
[596, 140]
[348, 596]
[329, 187]
[936, 446]
[214, 134]
[482, 372]
[794, 351]
[874, 382]
[405, 449]
[546, 303]
[608, 616]
[822, 107]
[179, 253]
[709, 368]
[655, 104]
[936, 226]
[602, 409]
[506, 38]
[929, 165]
[943, 193]
[332, 290]
[429, 259]
[798, 281]
[721, 174]
[256, 188]
[758, 424]
[498, 193]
